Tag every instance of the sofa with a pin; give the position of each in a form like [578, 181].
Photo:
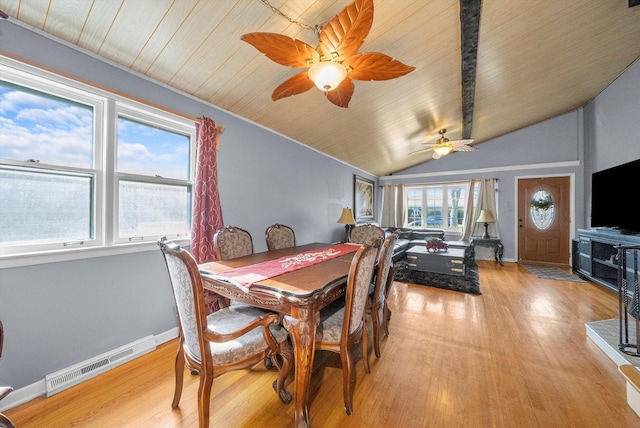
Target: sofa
[409, 237]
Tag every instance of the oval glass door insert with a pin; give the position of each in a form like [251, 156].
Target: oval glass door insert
[542, 209]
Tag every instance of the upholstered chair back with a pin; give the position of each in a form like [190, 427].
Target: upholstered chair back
[360, 289]
[378, 308]
[187, 290]
[232, 338]
[232, 242]
[384, 266]
[279, 236]
[342, 323]
[362, 233]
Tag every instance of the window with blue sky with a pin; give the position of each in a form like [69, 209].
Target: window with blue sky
[72, 176]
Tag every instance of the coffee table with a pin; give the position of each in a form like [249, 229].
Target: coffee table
[450, 262]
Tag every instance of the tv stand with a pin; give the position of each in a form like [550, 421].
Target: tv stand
[597, 255]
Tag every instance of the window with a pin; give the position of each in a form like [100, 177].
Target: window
[153, 170]
[440, 205]
[80, 167]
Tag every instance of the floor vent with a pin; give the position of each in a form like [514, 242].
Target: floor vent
[65, 378]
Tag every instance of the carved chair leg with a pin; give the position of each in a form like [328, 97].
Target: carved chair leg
[386, 311]
[204, 398]
[348, 380]
[385, 319]
[6, 422]
[284, 362]
[179, 368]
[365, 346]
[268, 363]
[375, 319]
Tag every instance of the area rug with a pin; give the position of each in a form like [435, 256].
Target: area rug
[469, 283]
[551, 272]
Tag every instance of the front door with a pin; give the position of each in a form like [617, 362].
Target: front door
[544, 220]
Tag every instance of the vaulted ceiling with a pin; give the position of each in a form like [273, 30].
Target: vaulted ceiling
[535, 60]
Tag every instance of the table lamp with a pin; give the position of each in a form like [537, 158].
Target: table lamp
[485, 217]
[347, 219]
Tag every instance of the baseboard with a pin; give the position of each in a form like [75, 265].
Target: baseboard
[39, 388]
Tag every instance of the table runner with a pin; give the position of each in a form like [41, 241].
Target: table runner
[243, 277]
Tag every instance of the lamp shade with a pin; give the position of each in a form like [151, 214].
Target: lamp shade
[327, 75]
[347, 217]
[485, 217]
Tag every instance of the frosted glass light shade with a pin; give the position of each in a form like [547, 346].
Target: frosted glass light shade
[327, 75]
[443, 149]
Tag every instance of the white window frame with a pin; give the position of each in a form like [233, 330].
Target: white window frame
[105, 204]
[144, 115]
[445, 186]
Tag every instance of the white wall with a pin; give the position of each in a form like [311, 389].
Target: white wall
[612, 129]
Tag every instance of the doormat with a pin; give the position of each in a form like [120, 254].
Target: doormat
[469, 283]
[551, 272]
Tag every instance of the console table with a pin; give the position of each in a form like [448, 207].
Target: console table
[596, 255]
[496, 243]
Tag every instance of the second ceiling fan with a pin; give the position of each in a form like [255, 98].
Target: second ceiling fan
[443, 146]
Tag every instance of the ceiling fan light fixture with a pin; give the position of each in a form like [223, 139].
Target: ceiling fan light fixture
[327, 75]
[443, 150]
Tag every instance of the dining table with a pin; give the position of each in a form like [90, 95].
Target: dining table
[298, 294]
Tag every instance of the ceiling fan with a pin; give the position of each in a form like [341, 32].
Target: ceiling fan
[335, 63]
[443, 146]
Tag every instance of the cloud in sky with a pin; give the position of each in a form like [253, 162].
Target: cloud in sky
[55, 131]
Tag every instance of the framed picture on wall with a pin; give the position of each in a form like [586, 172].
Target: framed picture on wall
[363, 198]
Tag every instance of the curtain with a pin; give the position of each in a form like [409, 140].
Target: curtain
[392, 213]
[472, 210]
[207, 211]
[486, 201]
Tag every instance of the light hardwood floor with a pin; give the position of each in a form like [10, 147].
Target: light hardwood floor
[515, 356]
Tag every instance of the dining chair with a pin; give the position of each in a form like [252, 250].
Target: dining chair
[363, 232]
[341, 328]
[232, 242]
[5, 422]
[232, 338]
[377, 307]
[279, 236]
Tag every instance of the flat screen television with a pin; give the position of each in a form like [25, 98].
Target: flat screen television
[613, 198]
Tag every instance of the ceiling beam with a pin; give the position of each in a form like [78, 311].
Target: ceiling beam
[469, 29]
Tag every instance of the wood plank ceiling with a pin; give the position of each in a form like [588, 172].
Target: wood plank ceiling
[535, 60]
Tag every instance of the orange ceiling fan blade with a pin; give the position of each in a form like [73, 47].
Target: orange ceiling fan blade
[346, 31]
[340, 40]
[295, 85]
[283, 49]
[375, 66]
[341, 95]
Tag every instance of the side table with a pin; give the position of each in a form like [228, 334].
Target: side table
[496, 243]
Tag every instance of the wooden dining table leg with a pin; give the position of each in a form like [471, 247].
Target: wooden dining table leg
[302, 330]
